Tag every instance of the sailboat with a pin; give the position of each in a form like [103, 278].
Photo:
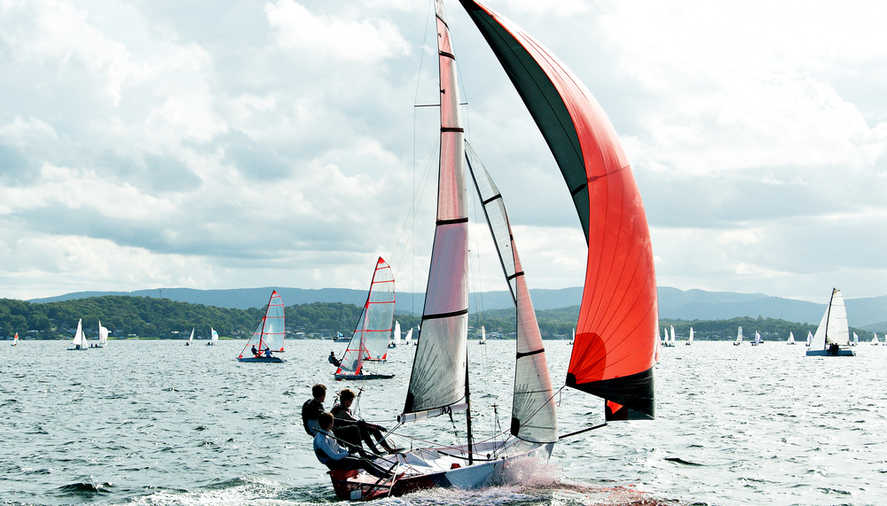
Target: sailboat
[395, 338]
[855, 340]
[15, 340]
[103, 336]
[791, 338]
[757, 340]
[368, 342]
[613, 355]
[690, 339]
[270, 334]
[408, 340]
[79, 342]
[573, 336]
[809, 338]
[483, 335]
[214, 338]
[874, 338]
[190, 338]
[833, 333]
[738, 340]
[673, 339]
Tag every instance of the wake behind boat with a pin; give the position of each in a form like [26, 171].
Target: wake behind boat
[270, 335]
[833, 334]
[371, 332]
[613, 356]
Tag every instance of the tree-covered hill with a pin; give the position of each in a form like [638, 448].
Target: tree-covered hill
[128, 316]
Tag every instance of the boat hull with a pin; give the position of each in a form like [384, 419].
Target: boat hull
[353, 377]
[359, 486]
[270, 360]
[826, 353]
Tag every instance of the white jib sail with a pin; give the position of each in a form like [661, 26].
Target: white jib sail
[191, 337]
[440, 365]
[833, 328]
[533, 416]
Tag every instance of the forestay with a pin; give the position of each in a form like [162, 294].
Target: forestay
[271, 331]
[438, 376]
[533, 415]
[613, 354]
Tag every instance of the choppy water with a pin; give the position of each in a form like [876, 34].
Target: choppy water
[154, 422]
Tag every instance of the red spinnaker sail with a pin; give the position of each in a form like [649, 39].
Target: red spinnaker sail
[615, 345]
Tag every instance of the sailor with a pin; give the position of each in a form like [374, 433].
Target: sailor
[333, 360]
[267, 352]
[313, 408]
[337, 458]
[352, 430]
[255, 351]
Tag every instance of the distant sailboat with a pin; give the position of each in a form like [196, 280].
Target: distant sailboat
[368, 342]
[690, 339]
[483, 335]
[738, 340]
[874, 339]
[757, 340]
[573, 336]
[855, 340]
[833, 333]
[103, 336]
[666, 342]
[79, 342]
[190, 338]
[673, 339]
[809, 338]
[791, 338]
[408, 340]
[270, 334]
[214, 338]
[395, 337]
[15, 340]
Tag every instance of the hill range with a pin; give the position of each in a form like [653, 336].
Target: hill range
[869, 312]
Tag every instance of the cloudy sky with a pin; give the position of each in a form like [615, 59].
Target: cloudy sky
[254, 143]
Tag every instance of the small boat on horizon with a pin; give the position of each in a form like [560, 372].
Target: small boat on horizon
[214, 338]
[738, 340]
[483, 335]
[190, 338]
[791, 338]
[15, 340]
[690, 339]
[875, 341]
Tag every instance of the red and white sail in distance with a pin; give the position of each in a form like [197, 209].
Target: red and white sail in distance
[370, 338]
[271, 332]
[533, 416]
[439, 367]
[614, 350]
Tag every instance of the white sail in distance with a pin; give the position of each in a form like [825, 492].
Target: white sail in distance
[533, 416]
[409, 337]
[739, 335]
[79, 336]
[191, 337]
[438, 376]
[692, 334]
[103, 334]
[673, 339]
[397, 332]
[214, 336]
[875, 338]
[791, 337]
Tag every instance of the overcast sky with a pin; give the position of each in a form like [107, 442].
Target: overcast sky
[236, 144]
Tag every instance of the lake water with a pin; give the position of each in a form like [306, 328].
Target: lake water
[155, 422]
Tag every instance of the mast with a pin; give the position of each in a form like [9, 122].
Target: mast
[468, 414]
[828, 312]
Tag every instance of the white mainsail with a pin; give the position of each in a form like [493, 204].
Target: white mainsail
[809, 338]
[673, 340]
[855, 339]
[692, 334]
[80, 337]
[791, 337]
[483, 334]
[533, 415]
[191, 337]
[739, 336]
[875, 338]
[103, 334]
[397, 332]
[214, 336]
[409, 338]
[833, 328]
[438, 377]
[757, 337]
[573, 335]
